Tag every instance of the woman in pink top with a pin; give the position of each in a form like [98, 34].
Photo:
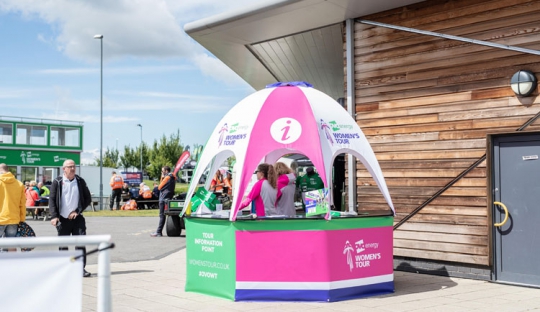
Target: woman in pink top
[285, 190]
[264, 192]
[31, 197]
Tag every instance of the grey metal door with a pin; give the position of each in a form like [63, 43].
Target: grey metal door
[516, 172]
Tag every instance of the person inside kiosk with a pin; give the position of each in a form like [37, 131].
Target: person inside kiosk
[263, 193]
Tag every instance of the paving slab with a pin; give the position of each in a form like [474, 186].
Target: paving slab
[158, 285]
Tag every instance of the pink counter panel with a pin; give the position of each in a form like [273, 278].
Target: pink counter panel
[305, 259]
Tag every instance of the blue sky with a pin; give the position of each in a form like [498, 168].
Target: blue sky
[153, 73]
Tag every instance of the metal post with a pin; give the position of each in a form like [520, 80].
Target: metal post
[100, 37]
[101, 133]
[351, 108]
[140, 151]
[104, 279]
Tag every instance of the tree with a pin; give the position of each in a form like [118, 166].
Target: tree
[145, 156]
[110, 158]
[165, 152]
[129, 159]
[154, 169]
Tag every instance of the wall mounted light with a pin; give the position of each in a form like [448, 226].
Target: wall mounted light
[523, 83]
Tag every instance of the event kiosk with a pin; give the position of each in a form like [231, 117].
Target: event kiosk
[298, 259]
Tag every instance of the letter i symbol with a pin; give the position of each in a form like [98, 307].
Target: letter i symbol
[286, 131]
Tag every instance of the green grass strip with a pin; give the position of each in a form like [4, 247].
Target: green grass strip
[123, 213]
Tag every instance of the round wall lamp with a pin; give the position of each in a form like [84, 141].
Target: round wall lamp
[523, 83]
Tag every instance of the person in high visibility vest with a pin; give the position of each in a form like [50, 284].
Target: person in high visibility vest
[216, 185]
[116, 184]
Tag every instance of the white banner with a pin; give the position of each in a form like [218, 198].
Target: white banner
[41, 281]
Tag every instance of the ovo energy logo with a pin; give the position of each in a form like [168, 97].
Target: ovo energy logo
[286, 130]
[238, 127]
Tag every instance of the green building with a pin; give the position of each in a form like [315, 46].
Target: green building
[35, 149]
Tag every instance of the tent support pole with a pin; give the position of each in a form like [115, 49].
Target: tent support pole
[351, 108]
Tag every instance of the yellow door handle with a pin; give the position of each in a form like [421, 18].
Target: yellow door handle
[505, 214]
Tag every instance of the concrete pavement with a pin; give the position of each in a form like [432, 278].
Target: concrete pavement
[131, 236]
[158, 285]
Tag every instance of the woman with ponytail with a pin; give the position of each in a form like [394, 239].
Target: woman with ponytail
[286, 189]
[264, 192]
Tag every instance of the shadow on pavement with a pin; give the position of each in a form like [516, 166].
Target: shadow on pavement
[406, 282]
[130, 272]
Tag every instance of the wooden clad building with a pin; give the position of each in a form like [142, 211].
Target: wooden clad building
[427, 104]
[432, 94]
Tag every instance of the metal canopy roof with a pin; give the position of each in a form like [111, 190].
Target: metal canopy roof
[286, 40]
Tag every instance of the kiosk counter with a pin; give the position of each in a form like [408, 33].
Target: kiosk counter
[298, 259]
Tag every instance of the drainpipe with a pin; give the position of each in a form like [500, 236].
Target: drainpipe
[351, 108]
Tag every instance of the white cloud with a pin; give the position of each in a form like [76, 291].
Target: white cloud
[88, 156]
[177, 106]
[142, 28]
[178, 96]
[210, 66]
[68, 71]
[12, 94]
[86, 118]
[115, 70]
[131, 28]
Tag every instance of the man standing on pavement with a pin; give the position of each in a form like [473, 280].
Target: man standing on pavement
[68, 199]
[116, 184]
[166, 189]
[12, 203]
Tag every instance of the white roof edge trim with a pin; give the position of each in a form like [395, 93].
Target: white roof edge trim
[226, 17]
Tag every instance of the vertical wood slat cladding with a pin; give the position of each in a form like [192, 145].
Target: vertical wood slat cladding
[426, 105]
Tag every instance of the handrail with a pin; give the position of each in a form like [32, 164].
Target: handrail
[461, 175]
[439, 192]
[505, 214]
[104, 303]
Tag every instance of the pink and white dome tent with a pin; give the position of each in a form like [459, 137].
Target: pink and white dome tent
[282, 119]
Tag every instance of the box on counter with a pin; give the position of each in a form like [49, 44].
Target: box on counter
[316, 202]
[203, 197]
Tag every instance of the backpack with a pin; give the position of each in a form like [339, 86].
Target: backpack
[24, 230]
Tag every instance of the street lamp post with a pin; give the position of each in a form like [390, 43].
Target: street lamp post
[100, 37]
[140, 152]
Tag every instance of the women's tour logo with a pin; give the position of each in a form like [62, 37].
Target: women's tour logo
[222, 132]
[286, 130]
[341, 134]
[327, 132]
[357, 257]
[30, 158]
[229, 135]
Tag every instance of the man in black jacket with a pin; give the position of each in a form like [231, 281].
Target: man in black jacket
[166, 191]
[68, 199]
